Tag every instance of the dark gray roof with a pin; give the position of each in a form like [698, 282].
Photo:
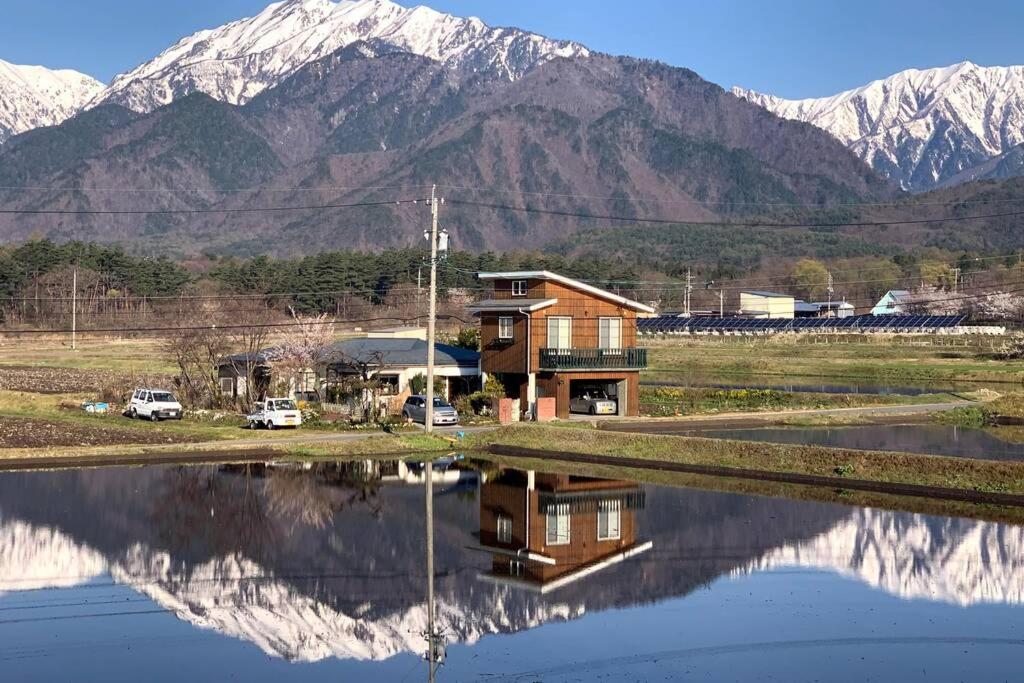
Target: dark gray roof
[384, 352]
[397, 353]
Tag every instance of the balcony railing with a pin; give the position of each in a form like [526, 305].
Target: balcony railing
[593, 359]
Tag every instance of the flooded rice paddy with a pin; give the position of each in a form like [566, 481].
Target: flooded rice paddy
[267, 573]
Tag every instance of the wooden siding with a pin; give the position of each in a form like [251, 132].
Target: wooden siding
[500, 356]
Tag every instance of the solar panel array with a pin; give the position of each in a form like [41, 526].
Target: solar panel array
[669, 324]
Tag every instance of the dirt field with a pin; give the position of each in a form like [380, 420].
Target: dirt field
[50, 380]
[22, 432]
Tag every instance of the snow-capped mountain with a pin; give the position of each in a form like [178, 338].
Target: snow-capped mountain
[920, 127]
[237, 61]
[34, 96]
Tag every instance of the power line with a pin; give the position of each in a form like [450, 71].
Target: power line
[237, 326]
[269, 209]
[727, 224]
[703, 202]
[209, 190]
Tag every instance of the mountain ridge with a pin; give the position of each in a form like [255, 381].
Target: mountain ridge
[238, 60]
[365, 117]
[920, 127]
[35, 96]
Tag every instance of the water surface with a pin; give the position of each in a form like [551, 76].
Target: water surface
[265, 574]
[934, 439]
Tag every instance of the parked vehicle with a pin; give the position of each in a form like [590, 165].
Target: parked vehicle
[594, 401]
[415, 409]
[154, 404]
[273, 413]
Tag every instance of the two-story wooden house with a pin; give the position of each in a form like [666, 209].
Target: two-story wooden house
[546, 335]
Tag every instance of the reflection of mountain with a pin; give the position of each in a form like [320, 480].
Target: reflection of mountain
[953, 560]
[33, 557]
[341, 575]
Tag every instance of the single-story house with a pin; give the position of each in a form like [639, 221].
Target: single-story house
[393, 360]
[893, 302]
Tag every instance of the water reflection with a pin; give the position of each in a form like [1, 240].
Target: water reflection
[327, 562]
[545, 531]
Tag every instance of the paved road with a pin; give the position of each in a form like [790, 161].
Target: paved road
[692, 422]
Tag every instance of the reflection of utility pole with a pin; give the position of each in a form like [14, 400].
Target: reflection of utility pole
[435, 643]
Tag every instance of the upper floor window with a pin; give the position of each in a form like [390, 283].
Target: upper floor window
[610, 333]
[559, 332]
[519, 288]
[504, 328]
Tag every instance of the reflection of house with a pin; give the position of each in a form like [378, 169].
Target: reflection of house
[893, 302]
[546, 530]
[760, 304]
[543, 334]
[393, 358]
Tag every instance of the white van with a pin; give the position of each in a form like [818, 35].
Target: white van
[154, 404]
[273, 413]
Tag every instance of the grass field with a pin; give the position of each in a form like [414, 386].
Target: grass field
[668, 401]
[926, 470]
[878, 357]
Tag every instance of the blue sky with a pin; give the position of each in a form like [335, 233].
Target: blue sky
[793, 48]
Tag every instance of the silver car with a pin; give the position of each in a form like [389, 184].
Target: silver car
[415, 409]
[594, 401]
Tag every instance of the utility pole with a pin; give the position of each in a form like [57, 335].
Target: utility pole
[831, 289]
[687, 291]
[956, 279]
[74, 308]
[432, 314]
[721, 302]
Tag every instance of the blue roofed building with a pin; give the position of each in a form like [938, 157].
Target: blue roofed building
[391, 357]
[893, 302]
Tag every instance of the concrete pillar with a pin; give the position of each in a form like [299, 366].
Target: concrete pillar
[531, 395]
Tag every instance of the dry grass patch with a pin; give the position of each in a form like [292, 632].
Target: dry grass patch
[924, 470]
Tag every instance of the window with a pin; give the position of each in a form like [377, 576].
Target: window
[505, 328]
[227, 386]
[559, 333]
[608, 517]
[504, 529]
[610, 333]
[519, 288]
[558, 525]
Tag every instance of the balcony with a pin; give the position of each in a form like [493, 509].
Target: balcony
[593, 359]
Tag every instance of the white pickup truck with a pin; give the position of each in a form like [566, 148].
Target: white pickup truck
[273, 413]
